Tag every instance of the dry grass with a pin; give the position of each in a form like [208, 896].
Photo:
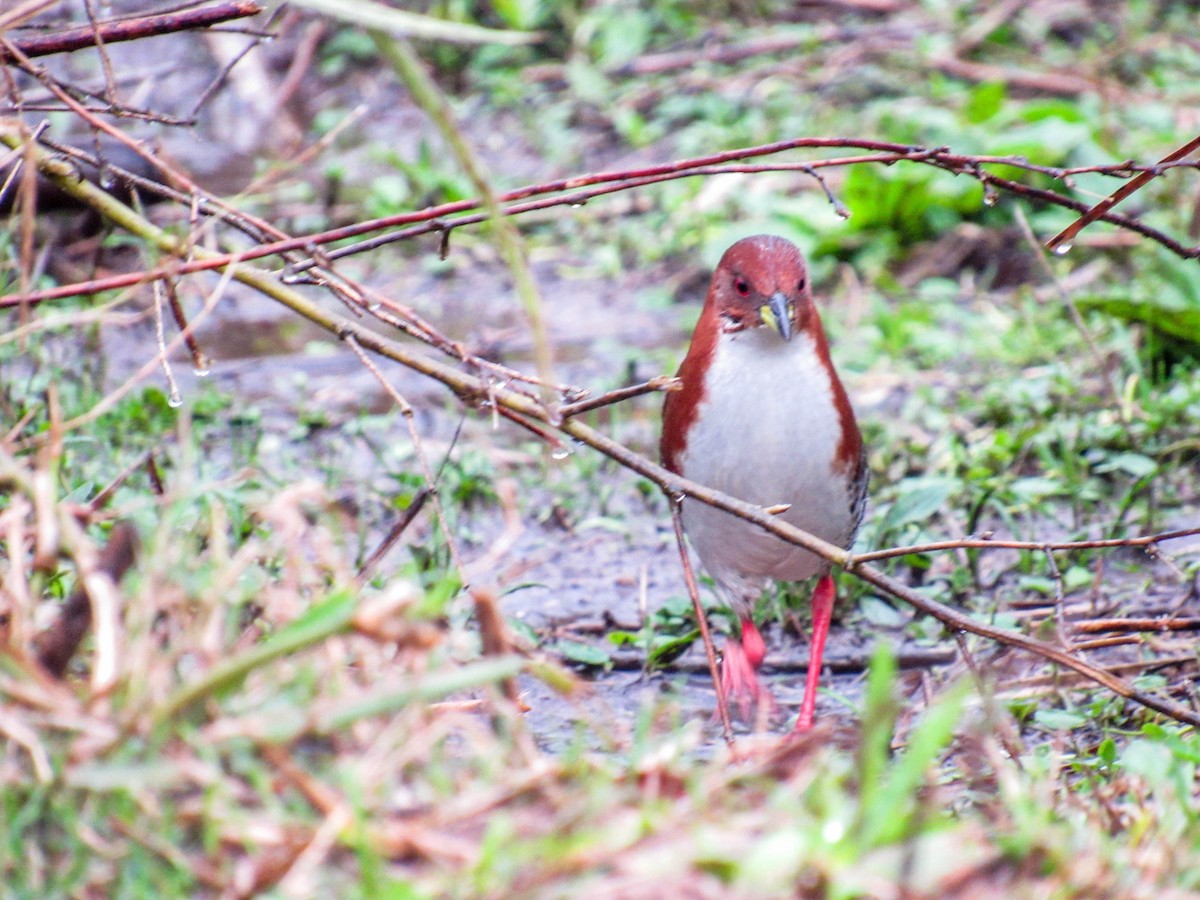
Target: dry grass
[207, 691]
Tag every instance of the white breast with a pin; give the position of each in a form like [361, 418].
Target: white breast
[767, 432]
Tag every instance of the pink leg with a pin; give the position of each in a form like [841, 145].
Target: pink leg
[739, 668]
[822, 612]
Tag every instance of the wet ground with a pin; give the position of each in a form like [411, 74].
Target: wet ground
[578, 564]
[592, 552]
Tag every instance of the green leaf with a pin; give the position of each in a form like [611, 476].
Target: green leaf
[1147, 759]
[1134, 464]
[587, 82]
[622, 36]
[985, 101]
[1107, 751]
[585, 654]
[919, 500]
[603, 523]
[880, 613]
[524, 630]
[323, 620]
[415, 689]
[878, 720]
[889, 817]
[520, 14]
[665, 650]
[1077, 577]
[1037, 487]
[1166, 301]
[1059, 719]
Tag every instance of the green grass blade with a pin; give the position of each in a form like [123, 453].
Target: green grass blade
[329, 617]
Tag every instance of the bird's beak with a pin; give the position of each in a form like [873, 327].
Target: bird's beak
[776, 314]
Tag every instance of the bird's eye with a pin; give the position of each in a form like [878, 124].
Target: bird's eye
[800, 285]
[741, 286]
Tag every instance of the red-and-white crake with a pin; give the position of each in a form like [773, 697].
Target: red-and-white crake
[761, 415]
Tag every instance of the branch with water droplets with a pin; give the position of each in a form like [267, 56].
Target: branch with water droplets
[578, 190]
[528, 411]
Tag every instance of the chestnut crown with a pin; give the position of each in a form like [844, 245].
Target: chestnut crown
[762, 280]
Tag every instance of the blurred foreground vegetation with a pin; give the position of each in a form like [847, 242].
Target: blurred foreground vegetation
[285, 717]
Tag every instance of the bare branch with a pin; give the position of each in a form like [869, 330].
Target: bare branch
[118, 30]
[578, 190]
[527, 411]
[657, 383]
[1061, 242]
[987, 543]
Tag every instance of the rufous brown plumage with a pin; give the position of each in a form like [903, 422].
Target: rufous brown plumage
[762, 415]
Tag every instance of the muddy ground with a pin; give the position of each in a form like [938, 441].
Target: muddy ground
[578, 565]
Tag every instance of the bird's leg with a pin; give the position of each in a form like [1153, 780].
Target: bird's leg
[739, 669]
[822, 612]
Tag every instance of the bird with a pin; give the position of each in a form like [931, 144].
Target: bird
[761, 414]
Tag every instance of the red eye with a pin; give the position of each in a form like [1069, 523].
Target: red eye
[740, 285]
[801, 283]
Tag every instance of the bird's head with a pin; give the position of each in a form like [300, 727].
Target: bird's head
[759, 291]
[762, 280]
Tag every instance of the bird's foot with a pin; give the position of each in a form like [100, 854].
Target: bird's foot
[739, 672]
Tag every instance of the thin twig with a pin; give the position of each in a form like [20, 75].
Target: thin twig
[523, 407]
[173, 397]
[1164, 624]
[1002, 725]
[840, 664]
[1145, 540]
[110, 81]
[657, 383]
[398, 528]
[200, 362]
[1102, 365]
[710, 653]
[406, 411]
[1062, 241]
[104, 496]
[585, 187]
[57, 645]
[511, 245]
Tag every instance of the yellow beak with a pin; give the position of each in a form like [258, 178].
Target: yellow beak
[776, 314]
